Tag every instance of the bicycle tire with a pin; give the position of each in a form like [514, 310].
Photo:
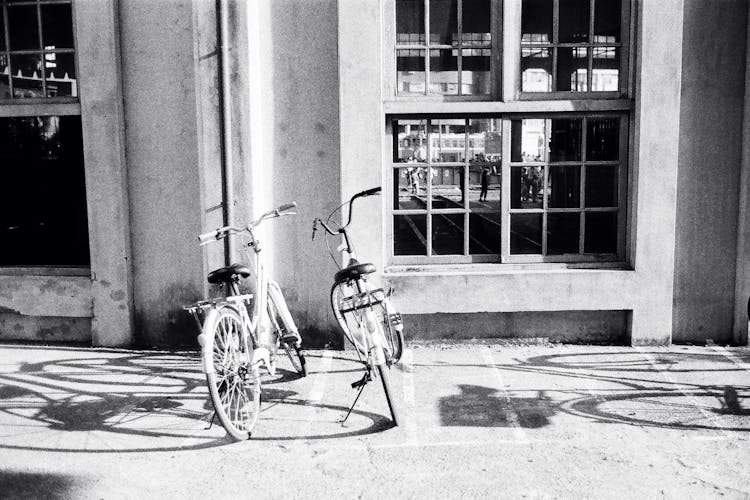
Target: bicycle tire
[296, 358]
[233, 385]
[385, 378]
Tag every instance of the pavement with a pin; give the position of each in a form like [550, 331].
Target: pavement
[497, 421]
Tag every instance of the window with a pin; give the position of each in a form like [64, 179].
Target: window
[455, 59]
[508, 189]
[456, 49]
[43, 220]
[571, 45]
[535, 172]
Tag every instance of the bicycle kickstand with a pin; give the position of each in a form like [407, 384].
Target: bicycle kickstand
[211, 423]
[361, 383]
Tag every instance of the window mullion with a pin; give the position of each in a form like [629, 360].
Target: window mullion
[459, 46]
[43, 50]
[590, 51]
[427, 48]
[555, 40]
[582, 187]
[505, 192]
[428, 187]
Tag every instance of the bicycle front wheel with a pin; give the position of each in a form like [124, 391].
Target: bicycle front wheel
[233, 384]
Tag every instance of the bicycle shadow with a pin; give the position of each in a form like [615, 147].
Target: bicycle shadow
[637, 388]
[118, 401]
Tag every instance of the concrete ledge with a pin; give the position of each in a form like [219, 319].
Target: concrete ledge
[62, 296]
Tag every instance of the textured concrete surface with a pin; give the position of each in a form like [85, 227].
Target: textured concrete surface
[479, 421]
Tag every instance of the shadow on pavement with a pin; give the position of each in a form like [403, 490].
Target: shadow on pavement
[21, 485]
[125, 401]
[657, 389]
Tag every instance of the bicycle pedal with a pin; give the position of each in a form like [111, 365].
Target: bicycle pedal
[361, 382]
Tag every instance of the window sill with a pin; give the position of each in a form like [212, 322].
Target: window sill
[498, 269]
[45, 271]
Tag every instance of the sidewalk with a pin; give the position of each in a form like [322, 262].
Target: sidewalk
[493, 421]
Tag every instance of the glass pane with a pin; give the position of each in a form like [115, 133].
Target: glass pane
[603, 139]
[476, 23]
[409, 191]
[475, 72]
[607, 21]
[443, 21]
[26, 71]
[601, 232]
[536, 68]
[564, 187]
[526, 187]
[572, 69]
[601, 186]
[563, 233]
[46, 153]
[23, 25]
[4, 77]
[443, 72]
[411, 140]
[410, 71]
[57, 26]
[485, 140]
[526, 233]
[410, 22]
[61, 75]
[605, 75]
[484, 186]
[484, 233]
[565, 140]
[2, 29]
[574, 21]
[447, 187]
[448, 140]
[409, 234]
[536, 21]
[448, 234]
[527, 141]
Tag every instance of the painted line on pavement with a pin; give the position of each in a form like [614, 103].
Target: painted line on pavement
[409, 416]
[510, 412]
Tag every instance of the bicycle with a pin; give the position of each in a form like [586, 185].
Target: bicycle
[236, 341]
[364, 313]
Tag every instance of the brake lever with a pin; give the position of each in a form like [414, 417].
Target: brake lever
[314, 229]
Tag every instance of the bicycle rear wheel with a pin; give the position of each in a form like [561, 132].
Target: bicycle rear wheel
[282, 331]
[385, 378]
[233, 384]
[352, 321]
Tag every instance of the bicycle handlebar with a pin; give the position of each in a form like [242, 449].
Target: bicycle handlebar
[223, 232]
[361, 194]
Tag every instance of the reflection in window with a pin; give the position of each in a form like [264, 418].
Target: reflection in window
[43, 216]
[447, 173]
[38, 59]
[457, 51]
[572, 54]
[557, 186]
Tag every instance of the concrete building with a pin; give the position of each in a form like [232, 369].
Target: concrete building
[615, 136]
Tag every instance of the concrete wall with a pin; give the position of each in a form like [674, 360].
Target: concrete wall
[293, 143]
[163, 169]
[713, 87]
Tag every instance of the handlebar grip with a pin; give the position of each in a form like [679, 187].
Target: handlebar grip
[368, 192]
[286, 207]
[206, 237]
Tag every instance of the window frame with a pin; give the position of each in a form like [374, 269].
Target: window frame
[43, 106]
[505, 257]
[505, 62]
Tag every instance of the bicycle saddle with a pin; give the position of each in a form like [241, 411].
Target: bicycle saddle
[354, 272]
[225, 274]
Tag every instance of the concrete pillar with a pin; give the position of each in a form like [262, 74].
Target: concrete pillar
[655, 162]
[102, 119]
